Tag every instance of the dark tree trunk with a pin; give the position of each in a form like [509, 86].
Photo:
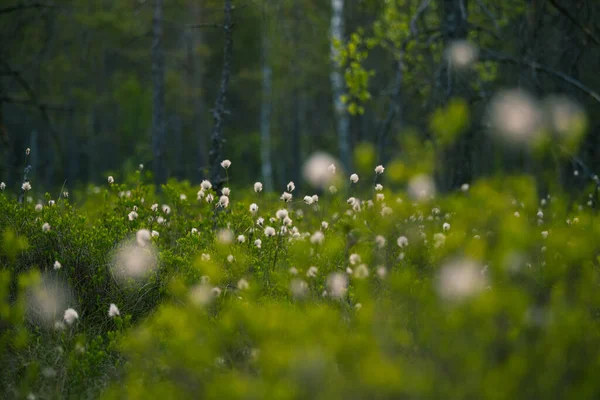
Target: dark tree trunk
[158, 99]
[219, 111]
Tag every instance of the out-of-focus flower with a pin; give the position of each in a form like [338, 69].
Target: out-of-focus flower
[379, 169]
[70, 316]
[354, 178]
[113, 310]
[258, 187]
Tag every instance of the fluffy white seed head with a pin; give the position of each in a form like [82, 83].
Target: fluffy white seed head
[291, 186]
[286, 196]
[111, 180]
[226, 191]
[57, 265]
[46, 227]
[206, 185]
[319, 170]
[354, 178]
[460, 279]
[26, 186]
[379, 169]
[269, 231]
[70, 316]
[402, 241]
[226, 164]
[337, 284]
[258, 187]
[113, 310]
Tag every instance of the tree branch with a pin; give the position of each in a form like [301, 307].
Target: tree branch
[490, 55]
[583, 28]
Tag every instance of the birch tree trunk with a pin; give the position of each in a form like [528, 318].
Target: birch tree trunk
[158, 98]
[265, 115]
[337, 83]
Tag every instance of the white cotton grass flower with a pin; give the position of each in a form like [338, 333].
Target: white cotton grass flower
[464, 187]
[319, 170]
[354, 259]
[226, 164]
[312, 272]
[253, 208]
[258, 243]
[337, 284]
[461, 54]
[381, 272]
[317, 237]
[243, 284]
[460, 279]
[544, 234]
[51, 203]
[27, 151]
[230, 258]
[308, 200]
[166, 209]
[379, 169]
[286, 196]
[385, 211]
[113, 310]
[281, 214]
[315, 198]
[223, 201]
[241, 239]
[206, 185]
[258, 187]
[351, 200]
[379, 197]
[379, 187]
[291, 186]
[332, 189]
[70, 316]
[402, 241]
[515, 117]
[354, 178]
[26, 186]
[209, 198]
[2, 186]
[324, 225]
[421, 188]
[57, 265]
[182, 197]
[226, 191]
[446, 227]
[46, 227]
[111, 180]
[132, 216]
[269, 231]
[205, 257]
[155, 233]
[38, 207]
[133, 261]
[380, 241]
[154, 207]
[260, 221]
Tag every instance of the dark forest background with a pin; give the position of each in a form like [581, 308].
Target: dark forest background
[99, 86]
